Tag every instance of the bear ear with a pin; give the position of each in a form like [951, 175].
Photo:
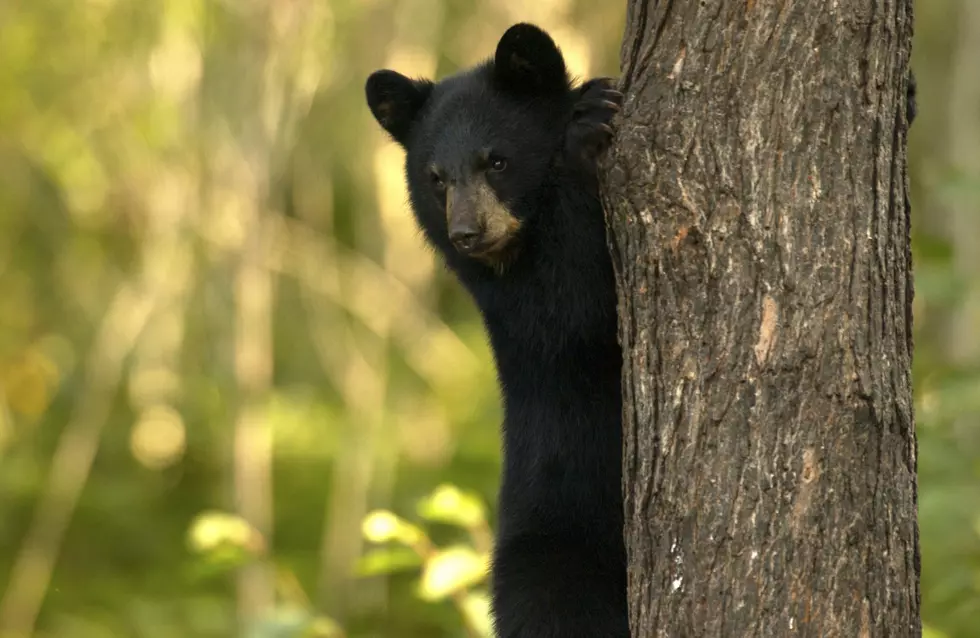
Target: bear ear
[395, 101]
[528, 61]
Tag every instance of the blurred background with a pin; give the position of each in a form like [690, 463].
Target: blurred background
[238, 397]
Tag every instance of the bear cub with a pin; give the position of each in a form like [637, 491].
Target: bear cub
[501, 172]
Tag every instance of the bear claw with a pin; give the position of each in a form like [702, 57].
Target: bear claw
[590, 132]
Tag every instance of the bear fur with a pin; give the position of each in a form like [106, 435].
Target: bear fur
[501, 172]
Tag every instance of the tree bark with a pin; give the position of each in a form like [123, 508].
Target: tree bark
[759, 224]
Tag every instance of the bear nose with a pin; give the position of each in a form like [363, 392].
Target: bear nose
[464, 236]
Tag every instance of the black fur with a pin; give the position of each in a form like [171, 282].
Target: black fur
[559, 568]
[911, 104]
[394, 101]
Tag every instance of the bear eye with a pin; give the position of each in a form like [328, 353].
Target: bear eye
[437, 181]
[497, 164]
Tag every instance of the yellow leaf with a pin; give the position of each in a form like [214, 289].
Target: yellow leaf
[451, 570]
[476, 611]
[29, 382]
[323, 627]
[382, 526]
[449, 504]
[211, 530]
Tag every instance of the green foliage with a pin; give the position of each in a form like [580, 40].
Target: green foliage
[225, 542]
[213, 300]
[453, 572]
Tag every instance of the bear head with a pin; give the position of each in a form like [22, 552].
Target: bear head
[480, 145]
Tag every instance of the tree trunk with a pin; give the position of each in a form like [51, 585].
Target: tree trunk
[759, 224]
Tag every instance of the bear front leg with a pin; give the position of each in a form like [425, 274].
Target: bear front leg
[589, 131]
[558, 587]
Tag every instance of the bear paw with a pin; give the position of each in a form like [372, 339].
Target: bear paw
[590, 132]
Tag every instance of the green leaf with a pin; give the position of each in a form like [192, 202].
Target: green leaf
[449, 504]
[283, 622]
[386, 561]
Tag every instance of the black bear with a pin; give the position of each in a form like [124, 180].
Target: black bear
[501, 171]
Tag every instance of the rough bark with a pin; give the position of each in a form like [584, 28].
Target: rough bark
[759, 223]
